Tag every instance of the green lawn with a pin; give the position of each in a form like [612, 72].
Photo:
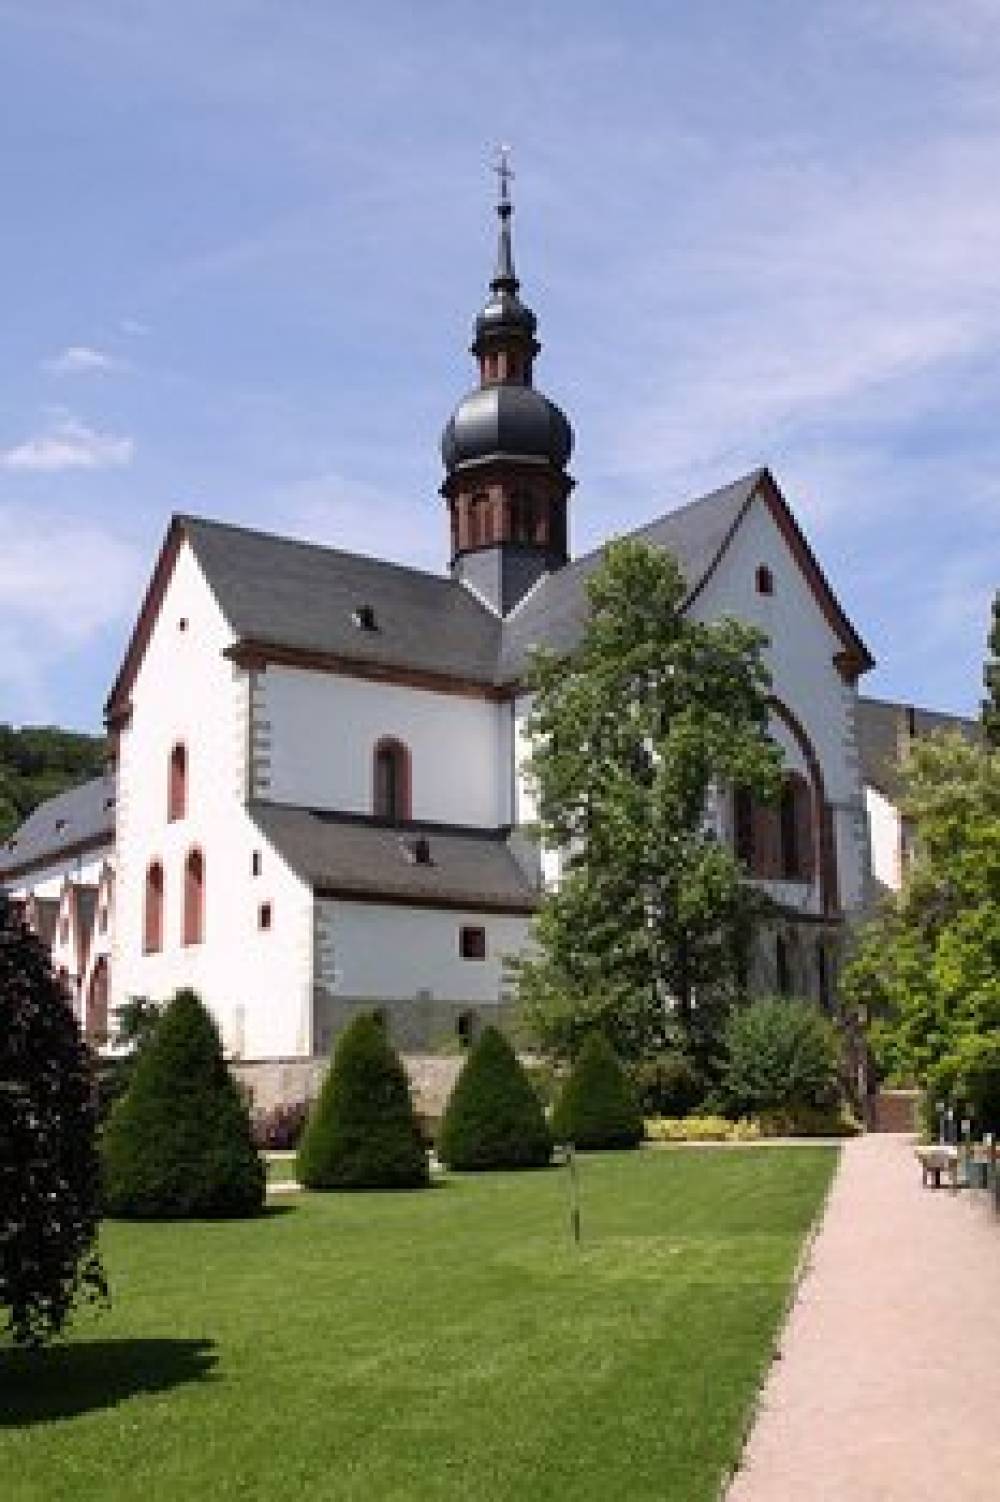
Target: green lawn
[447, 1344]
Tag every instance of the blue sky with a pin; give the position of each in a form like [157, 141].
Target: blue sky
[244, 241]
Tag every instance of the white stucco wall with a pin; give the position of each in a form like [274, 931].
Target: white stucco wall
[885, 832]
[257, 984]
[393, 953]
[800, 657]
[323, 730]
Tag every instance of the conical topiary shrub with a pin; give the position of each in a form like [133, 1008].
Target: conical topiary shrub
[177, 1144]
[494, 1118]
[362, 1132]
[597, 1107]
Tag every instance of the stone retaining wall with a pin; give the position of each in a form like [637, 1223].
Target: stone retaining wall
[273, 1082]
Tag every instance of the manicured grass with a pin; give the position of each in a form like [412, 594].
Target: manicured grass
[444, 1344]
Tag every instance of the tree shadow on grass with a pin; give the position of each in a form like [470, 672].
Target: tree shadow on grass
[63, 1381]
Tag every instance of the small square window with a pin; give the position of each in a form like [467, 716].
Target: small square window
[765, 580]
[264, 915]
[472, 943]
[255, 863]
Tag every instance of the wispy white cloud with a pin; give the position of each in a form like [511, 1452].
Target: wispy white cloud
[134, 327]
[68, 444]
[81, 359]
[49, 562]
[50, 607]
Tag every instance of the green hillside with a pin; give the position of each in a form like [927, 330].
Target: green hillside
[39, 761]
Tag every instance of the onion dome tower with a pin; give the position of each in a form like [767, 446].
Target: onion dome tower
[505, 448]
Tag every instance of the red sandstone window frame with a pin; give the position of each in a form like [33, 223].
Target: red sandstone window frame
[152, 913]
[193, 920]
[177, 783]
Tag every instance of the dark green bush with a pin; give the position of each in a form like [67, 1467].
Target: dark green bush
[494, 1118]
[177, 1145]
[135, 1023]
[670, 1084]
[362, 1133]
[597, 1107]
[780, 1053]
[50, 1198]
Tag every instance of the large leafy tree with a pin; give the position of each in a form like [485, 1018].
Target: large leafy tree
[927, 969]
[49, 1167]
[991, 678]
[634, 732]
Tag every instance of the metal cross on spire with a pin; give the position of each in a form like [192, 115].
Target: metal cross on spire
[504, 172]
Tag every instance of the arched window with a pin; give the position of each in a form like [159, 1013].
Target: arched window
[177, 789]
[152, 923]
[765, 580]
[391, 790]
[194, 898]
[795, 818]
[478, 521]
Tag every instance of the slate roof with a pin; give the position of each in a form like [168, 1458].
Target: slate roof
[297, 594]
[885, 731]
[353, 856]
[281, 595]
[300, 595]
[83, 814]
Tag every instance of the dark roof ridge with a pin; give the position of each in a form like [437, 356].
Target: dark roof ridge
[750, 480]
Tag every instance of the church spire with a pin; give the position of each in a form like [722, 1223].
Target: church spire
[506, 446]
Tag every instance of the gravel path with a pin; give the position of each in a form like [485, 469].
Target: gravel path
[888, 1386]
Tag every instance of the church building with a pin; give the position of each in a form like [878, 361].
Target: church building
[318, 800]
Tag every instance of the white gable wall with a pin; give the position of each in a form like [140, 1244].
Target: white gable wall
[323, 729]
[257, 984]
[805, 679]
[800, 657]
